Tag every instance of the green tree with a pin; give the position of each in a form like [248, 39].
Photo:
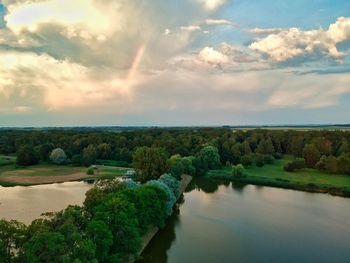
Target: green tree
[265, 147]
[210, 156]
[102, 237]
[12, 234]
[259, 160]
[149, 163]
[89, 155]
[238, 171]
[311, 155]
[44, 151]
[58, 156]
[26, 155]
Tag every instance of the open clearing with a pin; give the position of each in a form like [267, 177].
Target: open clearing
[46, 174]
[274, 175]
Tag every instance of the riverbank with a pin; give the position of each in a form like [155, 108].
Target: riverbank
[309, 180]
[146, 239]
[47, 174]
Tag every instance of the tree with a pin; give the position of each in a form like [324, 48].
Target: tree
[89, 155]
[58, 156]
[45, 150]
[236, 153]
[149, 163]
[102, 237]
[26, 155]
[247, 160]
[265, 147]
[344, 164]
[172, 183]
[210, 156]
[259, 160]
[311, 155]
[12, 234]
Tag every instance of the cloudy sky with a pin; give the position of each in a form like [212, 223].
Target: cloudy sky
[183, 62]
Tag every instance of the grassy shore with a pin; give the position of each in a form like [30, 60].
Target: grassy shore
[10, 175]
[310, 180]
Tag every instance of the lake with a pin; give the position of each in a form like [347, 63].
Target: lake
[220, 222]
[244, 223]
[27, 203]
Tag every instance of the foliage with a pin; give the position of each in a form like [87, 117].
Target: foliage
[172, 183]
[171, 198]
[149, 163]
[268, 159]
[296, 164]
[311, 155]
[238, 171]
[89, 155]
[247, 160]
[26, 155]
[58, 156]
[259, 160]
[90, 171]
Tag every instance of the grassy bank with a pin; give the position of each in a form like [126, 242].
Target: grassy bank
[310, 180]
[10, 175]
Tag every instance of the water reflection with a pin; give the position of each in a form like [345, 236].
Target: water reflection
[221, 222]
[156, 251]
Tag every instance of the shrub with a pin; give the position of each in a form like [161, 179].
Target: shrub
[296, 164]
[259, 160]
[90, 171]
[238, 171]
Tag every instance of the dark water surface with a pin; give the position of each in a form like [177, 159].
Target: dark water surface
[27, 203]
[237, 223]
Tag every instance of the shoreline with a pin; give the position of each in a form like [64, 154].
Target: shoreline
[146, 238]
[285, 184]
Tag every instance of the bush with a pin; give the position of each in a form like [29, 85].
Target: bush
[247, 160]
[259, 160]
[90, 171]
[238, 171]
[296, 164]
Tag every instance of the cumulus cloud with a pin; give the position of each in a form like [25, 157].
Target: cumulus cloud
[212, 56]
[80, 18]
[291, 43]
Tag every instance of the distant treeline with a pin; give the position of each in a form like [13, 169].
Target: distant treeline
[324, 149]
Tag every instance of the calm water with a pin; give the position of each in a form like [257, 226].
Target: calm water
[236, 223]
[27, 203]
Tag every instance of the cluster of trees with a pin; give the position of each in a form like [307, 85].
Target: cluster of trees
[107, 228]
[151, 162]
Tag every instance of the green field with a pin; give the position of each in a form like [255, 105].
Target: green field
[7, 160]
[10, 174]
[305, 179]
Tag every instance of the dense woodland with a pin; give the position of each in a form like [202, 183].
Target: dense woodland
[115, 215]
[325, 150]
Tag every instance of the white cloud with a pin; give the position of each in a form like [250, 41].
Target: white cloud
[211, 5]
[264, 31]
[212, 56]
[293, 42]
[218, 22]
[61, 84]
[79, 18]
[190, 28]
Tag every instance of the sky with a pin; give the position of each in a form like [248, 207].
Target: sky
[174, 63]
